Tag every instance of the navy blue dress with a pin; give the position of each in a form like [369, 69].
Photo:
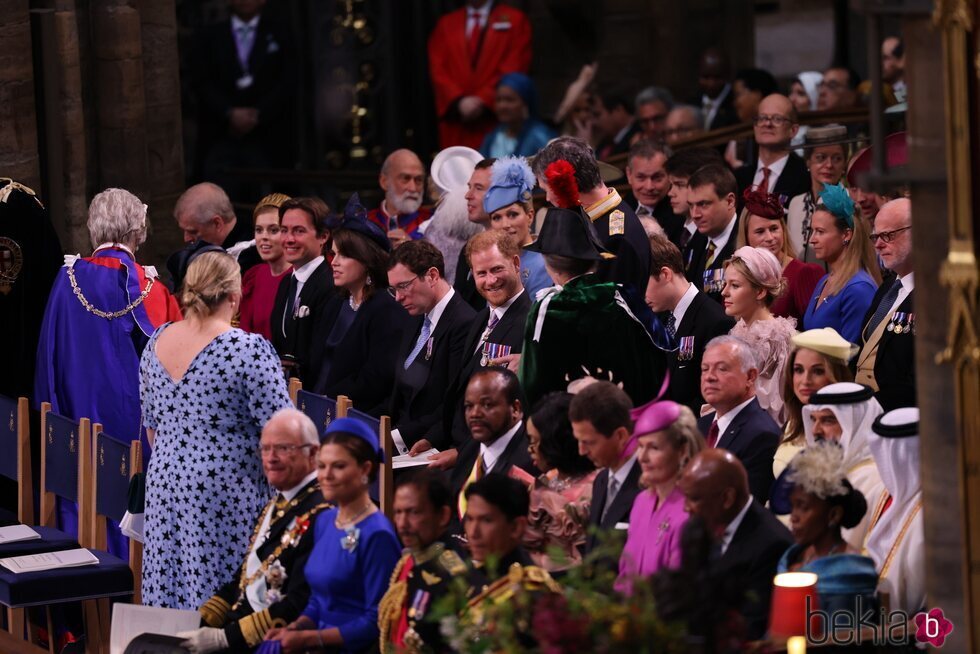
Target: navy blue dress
[204, 484]
[346, 584]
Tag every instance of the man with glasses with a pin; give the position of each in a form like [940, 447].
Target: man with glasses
[652, 106]
[886, 362]
[271, 586]
[778, 170]
[838, 89]
[433, 350]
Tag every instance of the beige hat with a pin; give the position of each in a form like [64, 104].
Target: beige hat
[826, 341]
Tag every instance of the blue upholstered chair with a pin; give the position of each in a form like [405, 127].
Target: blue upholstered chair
[321, 409]
[383, 488]
[14, 443]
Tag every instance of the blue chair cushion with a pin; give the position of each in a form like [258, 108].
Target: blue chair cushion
[318, 408]
[52, 540]
[112, 488]
[112, 577]
[61, 445]
[8, 437]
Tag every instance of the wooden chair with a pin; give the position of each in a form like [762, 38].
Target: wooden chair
[15, 456]
[383, 491]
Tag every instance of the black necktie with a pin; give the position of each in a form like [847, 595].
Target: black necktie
[290, 309]
[684, 239]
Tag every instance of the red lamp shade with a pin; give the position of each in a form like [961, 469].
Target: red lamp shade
[788, 612]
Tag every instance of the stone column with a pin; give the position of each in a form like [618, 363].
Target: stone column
[18, 116]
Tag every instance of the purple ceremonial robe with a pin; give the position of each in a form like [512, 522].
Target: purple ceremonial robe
[87, 365]
[654, 539]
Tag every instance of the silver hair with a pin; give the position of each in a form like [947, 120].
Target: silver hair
[696, 112]
[116, 216]
[655, 94]
[203, 201]
[307, 430]
[742, 350]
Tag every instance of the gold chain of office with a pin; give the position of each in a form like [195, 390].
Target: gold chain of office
[104, 314]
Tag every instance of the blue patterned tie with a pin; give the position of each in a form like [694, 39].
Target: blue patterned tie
[670, 322]
[883, 308]
[420, 343]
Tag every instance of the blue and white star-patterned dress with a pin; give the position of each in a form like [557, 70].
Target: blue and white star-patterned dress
[204, 483]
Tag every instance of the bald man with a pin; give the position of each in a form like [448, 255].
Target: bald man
[750, 540]
[401, 213]
[776, 169]
[886, 362]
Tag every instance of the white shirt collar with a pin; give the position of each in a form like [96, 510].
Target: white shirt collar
[439, 308]
[303, 272]
[621, 134]
[908, 282]
[237, 23]
[623, 471]
[721, 240]
[294, 491]
[495, 450]
[716, 101]
[483, 12]
[775, 170]
[684, 303]
[726, 538]
[502, 309]
[726, 420]
[118, 246]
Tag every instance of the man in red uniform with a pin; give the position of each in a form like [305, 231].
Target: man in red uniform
[469, 50]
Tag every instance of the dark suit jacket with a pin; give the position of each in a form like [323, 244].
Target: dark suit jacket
[631, 247]
[294, 337]
[895, 361]
[362, 365]
[750, 560]
[794, 180]
[420, 391]
[464, 283]
[753, 437]
[621, 506]
[610, 147]
[698, 253]
[515, 454]
[704, 319]
[726, 114]
[509, 331]
[664, 215]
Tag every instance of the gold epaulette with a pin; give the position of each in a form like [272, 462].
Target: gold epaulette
[255, 625]
[452, 562]
[518, 577]
[214, 611]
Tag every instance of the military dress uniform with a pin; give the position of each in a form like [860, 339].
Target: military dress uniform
[622, 234]
[419, 580]
[271, 589]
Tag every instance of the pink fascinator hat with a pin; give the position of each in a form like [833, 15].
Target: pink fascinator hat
[654, 416]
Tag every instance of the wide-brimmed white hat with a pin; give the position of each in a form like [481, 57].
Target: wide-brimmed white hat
[452, 168]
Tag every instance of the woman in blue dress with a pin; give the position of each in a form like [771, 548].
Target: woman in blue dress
[206, 389]
[508, 203]
[520, 132]
[815, 491]
[355, 549]
[840, 239]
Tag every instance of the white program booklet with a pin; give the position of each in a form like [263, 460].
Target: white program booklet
[50, 561]
[17, 533]
[131, 620]
[406, 461]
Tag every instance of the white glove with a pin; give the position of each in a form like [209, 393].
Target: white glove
[204, 640]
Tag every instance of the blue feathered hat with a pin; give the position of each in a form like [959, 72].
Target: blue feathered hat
[355, 219]
[511, 180]
[836, 199]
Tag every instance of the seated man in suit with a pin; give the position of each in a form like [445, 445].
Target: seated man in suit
[680, 167]
[601, 423]
[272, 585]
[400, 213]
[711, 199]
[738, 423]
[778, 170]
[304, 294]
[497, 333]
[886, 361]
[647, 176]
[750, 540]
[498, 439]
[691, 317]
[433, 350]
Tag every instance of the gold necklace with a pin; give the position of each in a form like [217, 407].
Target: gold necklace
[98, 312]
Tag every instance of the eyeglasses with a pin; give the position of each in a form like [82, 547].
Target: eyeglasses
[281, 449]
[776, 120]
[832, 85]
[887, 237]
[403, 286]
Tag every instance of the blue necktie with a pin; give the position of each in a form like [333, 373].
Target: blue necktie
[420, 343]
[670, 322]
[883, 308]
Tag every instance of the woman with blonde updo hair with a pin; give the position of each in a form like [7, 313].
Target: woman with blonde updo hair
[206, 389]
[753, 281]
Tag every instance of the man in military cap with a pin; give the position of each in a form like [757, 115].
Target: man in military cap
[271, 589]
[422, 505]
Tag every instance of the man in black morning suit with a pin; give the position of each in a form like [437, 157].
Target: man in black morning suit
[498, 438]
[432, 352]
[738, 424]
[271, 587]
[886, 361]
[649, 185]
[694, 318]
[497, 332]
[711, 200]
[602, 425]
[780, 170]
[243, 76]
[303, 295]
[750, 540]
